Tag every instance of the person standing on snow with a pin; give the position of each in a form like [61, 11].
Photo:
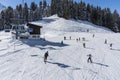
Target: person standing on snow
[84, 45]
[111, 46]
[93, 35]
[61, 42]
[45, 57]
[87, 30]
[79, 39]
[64, 38]
[105, 41]
[70, 37]
[89, 60]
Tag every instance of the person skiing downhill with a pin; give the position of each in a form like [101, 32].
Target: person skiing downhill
[45, 57]
[89, 60]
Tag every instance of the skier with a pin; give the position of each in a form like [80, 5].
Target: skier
[64, 38]
[45, 57]
[89, 60]
[111, 46]
[84, 45]
[93, 35]
[79, 38]
[83, 39]
[61, 42]
[87, 30]
[70, 37]
[105, 41]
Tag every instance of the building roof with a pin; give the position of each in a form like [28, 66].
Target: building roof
[34, 25]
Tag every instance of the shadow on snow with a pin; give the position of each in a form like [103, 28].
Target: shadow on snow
[43, 48]
[37, 43]
[59, 64]
[116, 49]
[101, 64]
[63, 65]
[90, 48]
[3, 49]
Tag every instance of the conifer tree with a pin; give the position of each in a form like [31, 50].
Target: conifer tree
[25, 12]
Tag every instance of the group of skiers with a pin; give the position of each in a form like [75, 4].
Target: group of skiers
[66, 38]
[110, 43]
[78, 39]
[89, 60]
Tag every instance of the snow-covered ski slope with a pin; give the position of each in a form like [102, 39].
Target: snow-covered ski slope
[55, 23]
[23, 59]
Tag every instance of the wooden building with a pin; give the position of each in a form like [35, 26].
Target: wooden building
[34, 30]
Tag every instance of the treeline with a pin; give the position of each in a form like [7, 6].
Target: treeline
[64, 8]
[24, 13]
[82, 11]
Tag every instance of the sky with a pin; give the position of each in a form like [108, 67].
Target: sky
[112, 4]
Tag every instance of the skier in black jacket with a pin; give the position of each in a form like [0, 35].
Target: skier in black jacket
[45, 57]
[89, 58]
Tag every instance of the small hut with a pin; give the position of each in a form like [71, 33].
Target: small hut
[34, 30]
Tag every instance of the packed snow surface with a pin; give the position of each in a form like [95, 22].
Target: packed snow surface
[23, 59]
